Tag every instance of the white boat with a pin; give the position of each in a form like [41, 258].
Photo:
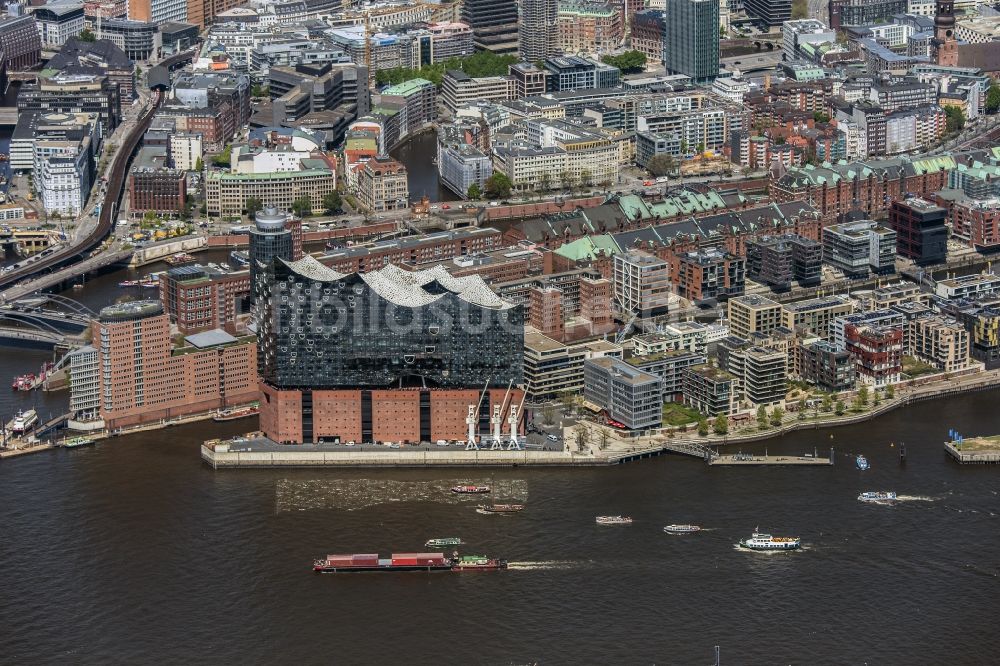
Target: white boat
[23, 422]
[614, 520]
[681, 529]
[877, 496]
[761, 541]
[861, 462]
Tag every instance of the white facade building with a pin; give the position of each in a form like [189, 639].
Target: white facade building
[186, 149]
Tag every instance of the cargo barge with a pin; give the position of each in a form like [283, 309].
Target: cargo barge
[371, 562]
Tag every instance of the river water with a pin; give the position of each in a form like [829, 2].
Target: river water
[134, 551]
[418, 154]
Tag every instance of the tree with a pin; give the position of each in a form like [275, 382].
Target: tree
[776, 416]
[890, 391]
[498, 186]
[863, 396]
[993, 98]
[762, 417]
[800, 413]
[252, 205]
[199, 165]
[332, 202]
[877, 398]
[567, 179]
[955, 118]
[302, 207]
[703, 426]
[827, 403]
[224, 158]
[800, 9]
[629, 62]
[721, 424]
[603, 439]
[545, 182]
[87, 36]
[839, 409]
[821, 117]
[474, 192]
[548, 415]
[585, 178]
[661, 165]
[582, 436]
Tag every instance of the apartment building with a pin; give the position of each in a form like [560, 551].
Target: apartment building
[670, 367]
[860, 248]
[383, 185]
[641, 283]
[762, 372]
[753, 314]
[816, 314]
[878, 353]
[552, 368]
[940, 341]
[710, 390]
[823, 365]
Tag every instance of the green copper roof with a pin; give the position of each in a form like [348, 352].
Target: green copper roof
[586, 248]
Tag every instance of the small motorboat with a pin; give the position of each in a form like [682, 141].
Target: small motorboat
[876, 497]
[441, 543]
[681, 529]
[861, 462]
[470, 490]
[77, 442]
[501, 508]
[614, 520]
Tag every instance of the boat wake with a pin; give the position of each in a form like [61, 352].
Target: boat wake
[546, 565]
[916, 498]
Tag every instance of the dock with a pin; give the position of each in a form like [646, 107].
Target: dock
[25, 449]
[975, 450]
[748, 459]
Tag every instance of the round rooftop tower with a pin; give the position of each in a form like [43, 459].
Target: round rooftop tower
[270, 220]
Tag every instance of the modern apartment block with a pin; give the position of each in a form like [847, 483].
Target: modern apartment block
[777, 261]
[941, 341]
[199, 298]
[669, 366]
[816, 314]
[552, 368]
[877, 351]
[823, 365]
[921, 234]
[641, 283]
[625, 394]
[978, 285]
[145, 378]
[691, 41]
[762, 372]
[860, 248]
[710, 275]
[978, 222]
[753, 314]
[710, 390]
[683, 335]
[494, 24]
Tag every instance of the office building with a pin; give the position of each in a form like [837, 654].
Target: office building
[589, 26]
[538, 29]
[669, 366]
[529, 80]
[64, 167]
[58, 21]
[692, 38]
[154, 186]
[493, 23]
[186, 150]
[553, 368]
[863, 12]
[383, 185]
[921, 234]
[203, 12]
[270, 238]
[74, 93]
[648, 30]
[416, 101]
[777, 261]
[753, 314]
[146, 379]
[85, 387]
[816, 314]
[823, 365]
[641, 284]
[769, 13]
[458, 89]
[370, 347]
[140, 40]
[98, 58]
[20, 41]
[860, 248]
[576, 73]
[626, 395]
[460, 166]
[710, 390]
[157, 11]
[34, 125]
[199, 298]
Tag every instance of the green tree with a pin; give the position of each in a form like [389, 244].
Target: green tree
[800, 9]
[703, 426]
[800, 413]
[545, 182]
[993, 98]
[839, 408]
[302, 207]
[721, 425]
[252, 205]
[890, 391]
[548, 415]
[821, 117]
[661, 165]
[87, 36]
[568, 180]
[876, 398]
[585, 178]
[630, 62]
[955, 118]
[474, 192]
[259, 91]
[776, 416]
[332, 202]
[498, 186]
[762, 417]
[827, 403]
[224, 158]
[863, 396]
[199, 165]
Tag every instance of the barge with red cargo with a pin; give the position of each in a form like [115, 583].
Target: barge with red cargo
[369, 562]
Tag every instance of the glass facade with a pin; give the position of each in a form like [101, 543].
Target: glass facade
[385, 329]
[269, 239]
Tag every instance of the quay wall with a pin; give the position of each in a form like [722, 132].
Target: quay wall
[151, 253]
[219, 457]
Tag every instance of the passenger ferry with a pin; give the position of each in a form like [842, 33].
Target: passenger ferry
[681, 529]
[470, 490]
[23, 422]
[861, 462]
[761, 541]
[441, 543]
[877, 497]
[501, 508]
[614, 520]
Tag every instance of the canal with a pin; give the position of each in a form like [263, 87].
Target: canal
[417, 154]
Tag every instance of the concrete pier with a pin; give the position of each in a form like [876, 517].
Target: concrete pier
[746, 459]
[975, 450]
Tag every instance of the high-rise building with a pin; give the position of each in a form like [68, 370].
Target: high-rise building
[494, 24]
[921, 234]
[157, 11]
[692, 38]
[201, 12]
[753, 314]
[769, 12]
[641, 283]
[20, 41]
[538, 30]
[270, 239]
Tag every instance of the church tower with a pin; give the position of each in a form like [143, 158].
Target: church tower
[944, 43]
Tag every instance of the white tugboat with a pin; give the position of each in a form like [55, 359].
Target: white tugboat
[614, 520]
[761, 541]
[874, 497]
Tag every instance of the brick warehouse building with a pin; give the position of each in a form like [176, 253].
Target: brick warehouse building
[154, 186]
[387, 355]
